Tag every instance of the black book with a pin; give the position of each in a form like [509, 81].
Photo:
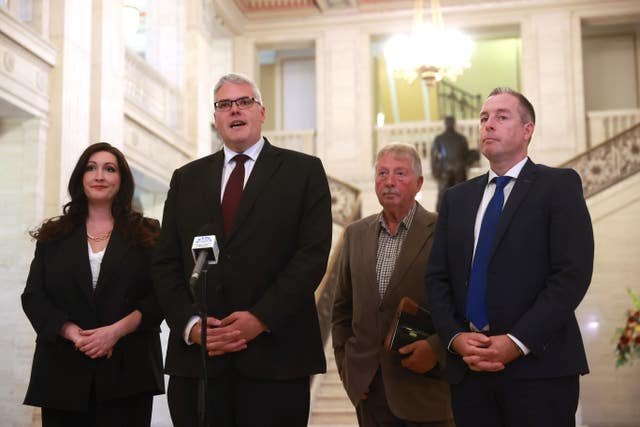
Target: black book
[410, 323]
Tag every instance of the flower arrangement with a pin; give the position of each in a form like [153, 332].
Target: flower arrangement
[628, 347]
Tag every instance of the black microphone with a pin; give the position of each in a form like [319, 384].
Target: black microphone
[205, 252]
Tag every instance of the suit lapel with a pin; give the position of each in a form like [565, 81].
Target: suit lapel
[367, 253]
[518, 193]
[115, 251]
[211, 180]
[421, 229]
[469, 220]
[78, 249]
[266, 165]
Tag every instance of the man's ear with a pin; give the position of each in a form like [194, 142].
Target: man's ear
[528, 131]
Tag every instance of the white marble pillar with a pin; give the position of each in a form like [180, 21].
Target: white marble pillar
[551, 68]
[344, 99]
[207, 57]
[107, 73]
[41, 17]
[70, 89]
[345, 117]
[167, 53]
[22, 149]
[246, 60]
[221, 64]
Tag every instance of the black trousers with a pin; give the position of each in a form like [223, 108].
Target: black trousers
[485, 399]
[132, 411]
[237, 401]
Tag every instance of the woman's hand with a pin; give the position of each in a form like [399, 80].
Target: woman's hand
[99, 342]
[71, 332]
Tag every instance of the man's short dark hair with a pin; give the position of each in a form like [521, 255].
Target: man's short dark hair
[527, 114]
[449, 121]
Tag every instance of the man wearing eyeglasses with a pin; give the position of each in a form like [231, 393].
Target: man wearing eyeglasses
[270, 209]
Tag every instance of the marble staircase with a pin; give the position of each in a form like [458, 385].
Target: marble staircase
[330, 406]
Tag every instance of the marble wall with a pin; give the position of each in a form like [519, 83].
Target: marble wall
[609, 394]
[21, 146]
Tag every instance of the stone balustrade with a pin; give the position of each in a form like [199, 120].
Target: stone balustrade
[154, 120]
[149, 90]
[610, 162]
[422, 134]
[298, 140]
[603, 125]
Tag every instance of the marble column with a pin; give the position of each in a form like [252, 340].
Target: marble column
[200, 76]
[107, 73]
[552, 79]
[345, 118]
[22, 158]
[70, 89]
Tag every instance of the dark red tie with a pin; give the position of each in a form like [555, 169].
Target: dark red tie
[233, 192]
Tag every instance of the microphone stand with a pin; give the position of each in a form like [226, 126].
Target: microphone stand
[203, 382]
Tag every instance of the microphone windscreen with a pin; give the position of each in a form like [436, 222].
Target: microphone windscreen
[206, 240]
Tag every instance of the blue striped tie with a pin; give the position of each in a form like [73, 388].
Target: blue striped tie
[477, 292]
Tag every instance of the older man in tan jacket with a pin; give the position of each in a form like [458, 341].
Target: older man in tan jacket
[383, 259]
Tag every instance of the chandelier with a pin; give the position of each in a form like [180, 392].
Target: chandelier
[431, 52]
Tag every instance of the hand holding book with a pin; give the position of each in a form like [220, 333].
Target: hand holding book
[408, 333]
[410, 323]
[418, 356]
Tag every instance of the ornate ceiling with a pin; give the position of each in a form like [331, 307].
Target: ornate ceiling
[255, 7]
[265, 8]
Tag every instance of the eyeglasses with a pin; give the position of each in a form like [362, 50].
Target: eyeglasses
[242, 103]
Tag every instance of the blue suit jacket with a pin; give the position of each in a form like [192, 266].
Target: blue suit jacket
[539, 270]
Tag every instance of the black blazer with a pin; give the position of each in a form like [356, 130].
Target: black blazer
[58, 290]
[539, 269]
[270, 264]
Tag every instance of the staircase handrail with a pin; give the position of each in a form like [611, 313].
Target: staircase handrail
[343, 215]
[608, 163]
[464, 104]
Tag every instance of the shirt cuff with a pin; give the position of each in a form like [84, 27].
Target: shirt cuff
[449, 348]
[187, 330]
[523, 348]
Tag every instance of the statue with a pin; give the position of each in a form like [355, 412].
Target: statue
[450, 158]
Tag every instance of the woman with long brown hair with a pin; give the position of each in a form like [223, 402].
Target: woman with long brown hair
[89, 297]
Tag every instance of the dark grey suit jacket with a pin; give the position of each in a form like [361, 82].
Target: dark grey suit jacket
[539, 270]
[270, 263]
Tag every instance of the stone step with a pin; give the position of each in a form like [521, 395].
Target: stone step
[333, 417]
[330, 405]
[331, 377]
[331, 390]
[332, 402]
[354, 424]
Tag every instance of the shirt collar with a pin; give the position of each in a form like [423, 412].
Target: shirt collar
[514, 172]
[252, 152]
[406, 221]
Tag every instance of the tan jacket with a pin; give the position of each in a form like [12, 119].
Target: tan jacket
[361, 320]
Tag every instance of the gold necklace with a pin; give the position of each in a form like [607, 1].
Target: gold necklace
[99, 237]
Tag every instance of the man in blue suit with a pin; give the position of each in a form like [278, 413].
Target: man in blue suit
[511, 260]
